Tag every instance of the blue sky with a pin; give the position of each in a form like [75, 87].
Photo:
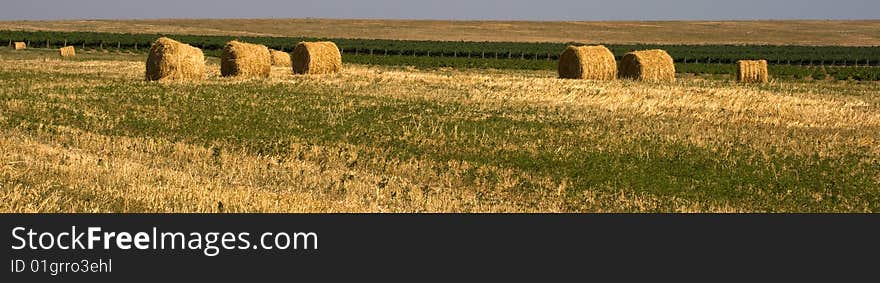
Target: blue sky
[446, 9]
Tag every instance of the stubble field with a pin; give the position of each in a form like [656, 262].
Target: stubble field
[89, 135]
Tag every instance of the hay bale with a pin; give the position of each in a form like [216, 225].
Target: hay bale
[67, 51]
[752, 71]
[245, 60]
[280, 58]
[648, 65]
[18, 45]
[316, 58]
[172, 60]
[587, 62]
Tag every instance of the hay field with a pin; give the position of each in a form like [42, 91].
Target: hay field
[800, 32]
[89, 135]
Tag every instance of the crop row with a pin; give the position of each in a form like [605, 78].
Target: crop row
[495, 60]
[725, 54]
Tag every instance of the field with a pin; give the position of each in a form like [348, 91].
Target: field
[89, 135]
[840, 33]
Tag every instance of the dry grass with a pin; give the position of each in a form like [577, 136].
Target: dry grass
[787, 132]
[587, 62]
[801, 32]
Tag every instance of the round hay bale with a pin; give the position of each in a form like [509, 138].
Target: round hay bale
[67, 51]
[648, 65]
[316, 58]
[19, 45]
[172, 60]
[245, 60]
[280, 58]
[752, 71]
[588, 63]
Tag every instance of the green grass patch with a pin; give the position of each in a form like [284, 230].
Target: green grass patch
[266, 118]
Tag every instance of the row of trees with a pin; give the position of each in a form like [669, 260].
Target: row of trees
[723, 54]
[797, 62]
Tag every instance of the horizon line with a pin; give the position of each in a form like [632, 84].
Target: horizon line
[442, 20]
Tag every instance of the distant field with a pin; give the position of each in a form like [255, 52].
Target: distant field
[844, 33]
[89, 135]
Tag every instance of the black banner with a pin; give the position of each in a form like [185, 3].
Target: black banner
[435, 247]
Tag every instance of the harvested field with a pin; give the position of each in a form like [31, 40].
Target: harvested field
[88, 135]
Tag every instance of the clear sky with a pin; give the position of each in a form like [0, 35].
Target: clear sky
[445, 9]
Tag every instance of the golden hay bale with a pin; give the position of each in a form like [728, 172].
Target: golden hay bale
[316, 58]
[245, 60]
[648, 65]
[19, 45]
[172, 60]
[587, 62]
[280, 58]
[67, 51]
[752, 71]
